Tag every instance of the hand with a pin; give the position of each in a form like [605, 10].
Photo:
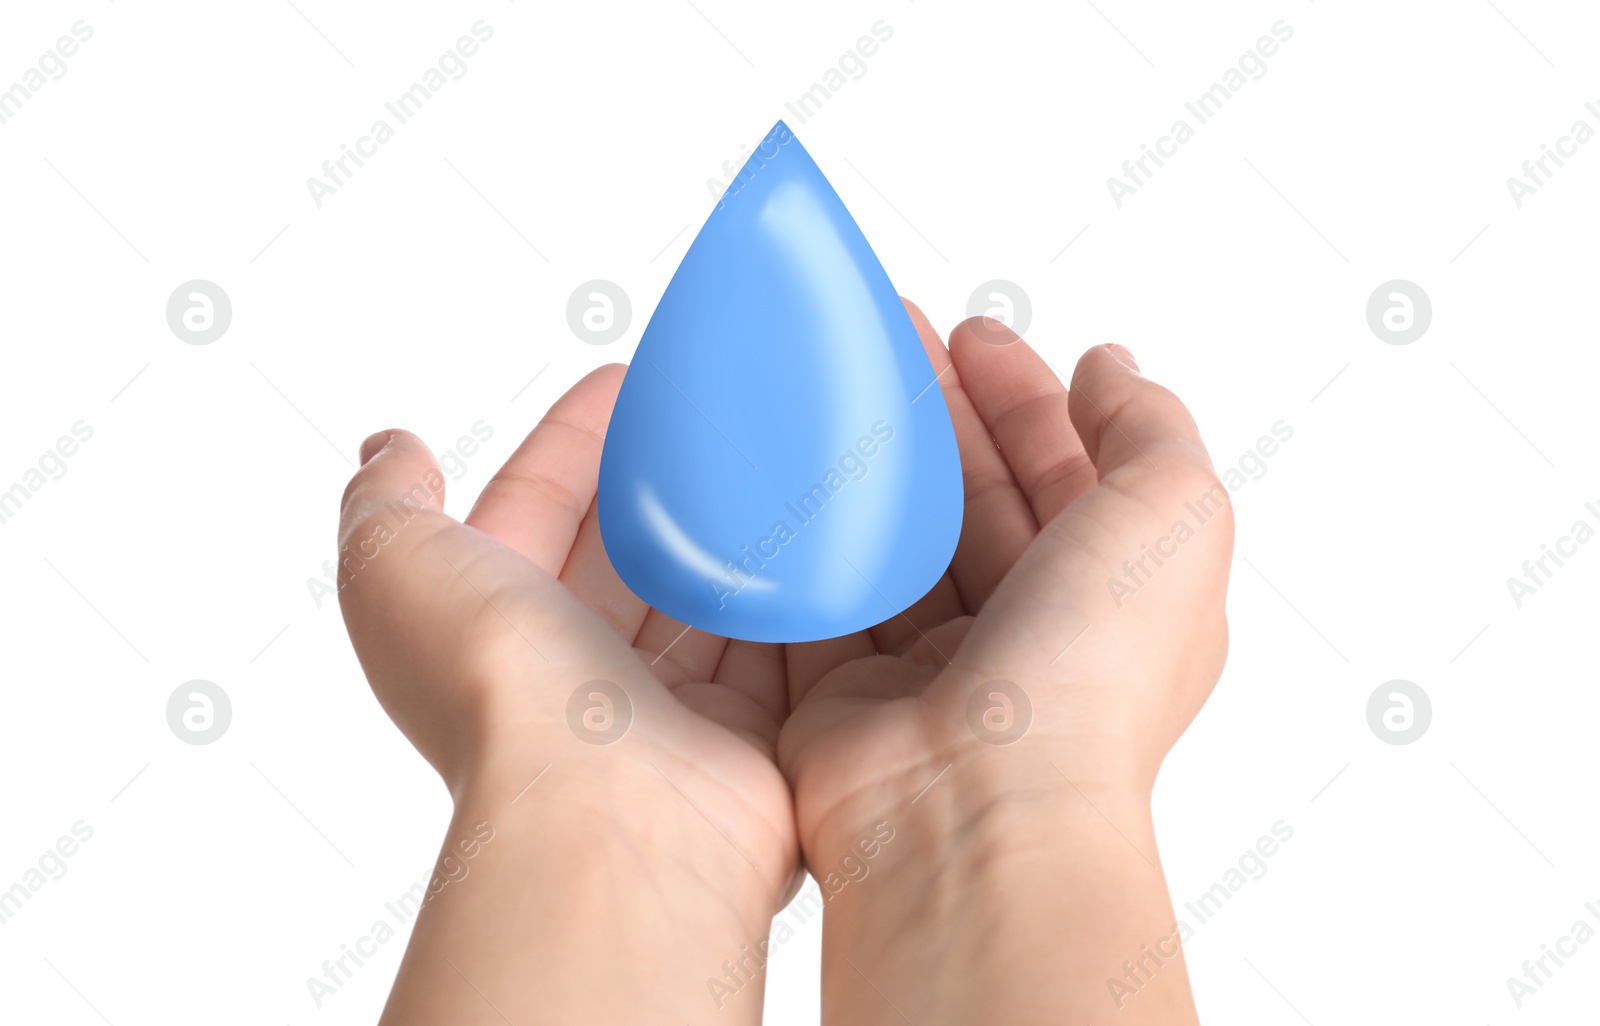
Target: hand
[1061, 501]
[1091, 574]
[474, 636]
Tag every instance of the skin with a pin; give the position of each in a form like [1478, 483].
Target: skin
[1015, 879]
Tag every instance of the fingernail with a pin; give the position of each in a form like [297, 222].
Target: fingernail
[374, 445]
[1123, 356]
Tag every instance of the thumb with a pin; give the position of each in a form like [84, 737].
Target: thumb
[1128, 421]
[421, 591]
[390, 517]
[399, 481]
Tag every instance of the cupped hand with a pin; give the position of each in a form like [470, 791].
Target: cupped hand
[1090, 575]
[1089, 581]
[1076, 633]
[483, 641]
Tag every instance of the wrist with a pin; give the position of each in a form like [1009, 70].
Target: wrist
[970, 822]
[960, 786]
[988, 887]
[545, 872]
[628, 815]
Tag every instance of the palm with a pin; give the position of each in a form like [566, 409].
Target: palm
[710, 736]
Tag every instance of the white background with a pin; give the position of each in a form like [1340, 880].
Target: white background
[432, 288]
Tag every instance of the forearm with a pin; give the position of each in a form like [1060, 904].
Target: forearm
[1042, 906]
[563, 917]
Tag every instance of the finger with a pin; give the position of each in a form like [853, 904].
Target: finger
[419, 590]
[536, 502]
[589, 575]
[809, 661]
[392, 506]
[997, 524]
[933, 650]
[756, 670]
[398, 483]
[940, 605]
[676, 652]
[1128, 422]
[396, 466]
[1025, 407]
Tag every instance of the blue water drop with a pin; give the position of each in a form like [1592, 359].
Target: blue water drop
[780, 465]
